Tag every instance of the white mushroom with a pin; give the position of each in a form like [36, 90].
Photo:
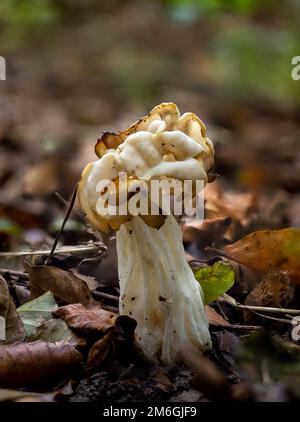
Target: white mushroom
[157, 286]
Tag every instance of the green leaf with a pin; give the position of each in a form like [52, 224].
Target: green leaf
[52, 331]
[215, 280]
[37, 311]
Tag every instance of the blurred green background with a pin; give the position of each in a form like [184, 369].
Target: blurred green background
[75, 68]
[138, 51]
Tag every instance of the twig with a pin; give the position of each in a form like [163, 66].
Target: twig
[72, 202]
[222, 312]
[233, 302]
[110, 308]
[105, 296]
[238, 327]
[62, 250]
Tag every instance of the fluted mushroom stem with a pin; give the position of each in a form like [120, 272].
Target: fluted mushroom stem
[159, 290]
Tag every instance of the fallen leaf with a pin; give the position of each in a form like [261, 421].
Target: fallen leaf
[55, 330]
[215, 280]
[11, 327]
[86, 321]
[35, 312]
[214, 318]
[63, 284]
[23, 364]
[266, 250]
[241, 207]
[116, 343]
[275, 290]
[23, 396]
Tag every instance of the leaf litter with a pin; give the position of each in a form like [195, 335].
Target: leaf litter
[251, 233]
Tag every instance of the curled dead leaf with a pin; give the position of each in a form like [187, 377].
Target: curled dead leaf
[266, 250]
[116, 343]
[86, 321]
[63, 284]
[55, 330]
[23, 396]
[214, 318]
[23, 364]
[275, 290]
[11, 329]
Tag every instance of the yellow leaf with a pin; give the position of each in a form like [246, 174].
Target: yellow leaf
[266, 250]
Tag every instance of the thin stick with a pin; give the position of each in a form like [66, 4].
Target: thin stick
[238, 327]
[62, 250]
[72, 202]
[110, 308]
[288, 321]
[106, 296]
[233, 302]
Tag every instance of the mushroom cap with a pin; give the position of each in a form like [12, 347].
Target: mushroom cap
[161, 145]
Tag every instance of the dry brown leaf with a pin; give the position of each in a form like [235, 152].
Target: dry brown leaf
[14, 330]
[241, 207]
[214, 318]
[86, 321]
[275, 290]
[63, 284]
[116, 343]
[267, 250]
[237, 205]
[23, 396]
[23, 364]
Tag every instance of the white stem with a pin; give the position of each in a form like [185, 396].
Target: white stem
[159, 290]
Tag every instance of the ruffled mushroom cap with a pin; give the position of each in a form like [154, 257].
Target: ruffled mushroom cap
[161, 145]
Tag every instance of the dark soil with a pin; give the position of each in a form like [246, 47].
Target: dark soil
[149, 384]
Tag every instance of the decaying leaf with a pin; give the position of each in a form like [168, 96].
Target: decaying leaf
[214, 318]
[23, 396]
[267, 250]
[86, 321]
[55, 330]
[11, 327]
[37, 311]
[63, 284]
[275, 290]
[116, 343]
[241, 207]
[23, 364]
[215, 280]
